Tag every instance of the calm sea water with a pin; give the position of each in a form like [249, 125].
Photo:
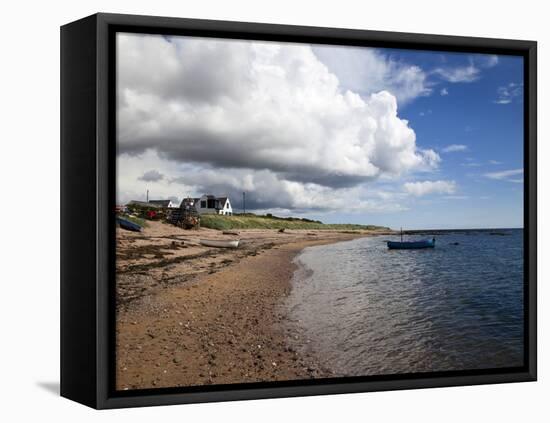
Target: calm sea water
[367, 310]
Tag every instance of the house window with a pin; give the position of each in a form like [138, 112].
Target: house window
[203, 204]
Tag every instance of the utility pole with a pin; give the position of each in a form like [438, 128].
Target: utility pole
[244, 202]
[147, 196]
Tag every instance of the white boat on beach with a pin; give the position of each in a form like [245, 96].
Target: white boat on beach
[220, 243]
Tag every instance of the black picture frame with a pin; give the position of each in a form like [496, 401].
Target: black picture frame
[88, 197]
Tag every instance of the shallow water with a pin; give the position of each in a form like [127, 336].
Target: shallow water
[367, 310]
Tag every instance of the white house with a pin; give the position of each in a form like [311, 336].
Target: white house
[210, 204]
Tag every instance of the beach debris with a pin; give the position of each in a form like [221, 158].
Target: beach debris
[186, 216]
[230, 233]
[282, 230]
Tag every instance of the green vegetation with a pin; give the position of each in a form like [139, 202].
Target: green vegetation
[253, 221]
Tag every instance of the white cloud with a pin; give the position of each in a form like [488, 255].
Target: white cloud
[506, 175]
[430, 160]
[495, 162]
[485, 60]
[469, 73]
[367, 70]
[509, 93]
[454, 148]
[419, 189]
[263, 117]
[444, 91]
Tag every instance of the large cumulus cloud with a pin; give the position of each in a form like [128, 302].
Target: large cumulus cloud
[271, 112]
[366, 71]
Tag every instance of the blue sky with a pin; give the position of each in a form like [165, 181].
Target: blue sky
[341, 134]
[475, 115]
[474, 120]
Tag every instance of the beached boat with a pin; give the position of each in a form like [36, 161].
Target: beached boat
[128, 225]
[220, 243]
[411, 245]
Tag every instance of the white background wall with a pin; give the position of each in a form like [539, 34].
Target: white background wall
[29, 170]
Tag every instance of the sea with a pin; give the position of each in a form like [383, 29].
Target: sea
[363, 309]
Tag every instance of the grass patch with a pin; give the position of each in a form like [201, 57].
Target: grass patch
[252, 221]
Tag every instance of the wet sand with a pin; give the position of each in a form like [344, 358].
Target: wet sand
[193, 315]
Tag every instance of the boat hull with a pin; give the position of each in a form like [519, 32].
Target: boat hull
[411, 245]
[220, 243]
[128, 225]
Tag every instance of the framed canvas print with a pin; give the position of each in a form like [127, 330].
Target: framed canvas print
[256, 211]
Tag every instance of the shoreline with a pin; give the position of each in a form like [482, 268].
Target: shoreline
[223, 325]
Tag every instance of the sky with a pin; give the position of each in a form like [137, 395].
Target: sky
[399, 138]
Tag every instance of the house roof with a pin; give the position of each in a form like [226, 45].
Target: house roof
[162, 203]
[222, 200]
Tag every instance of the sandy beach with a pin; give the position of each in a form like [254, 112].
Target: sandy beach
[193, 315]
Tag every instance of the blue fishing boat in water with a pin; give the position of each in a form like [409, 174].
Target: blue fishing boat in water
[128, 225]
[411, 245]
